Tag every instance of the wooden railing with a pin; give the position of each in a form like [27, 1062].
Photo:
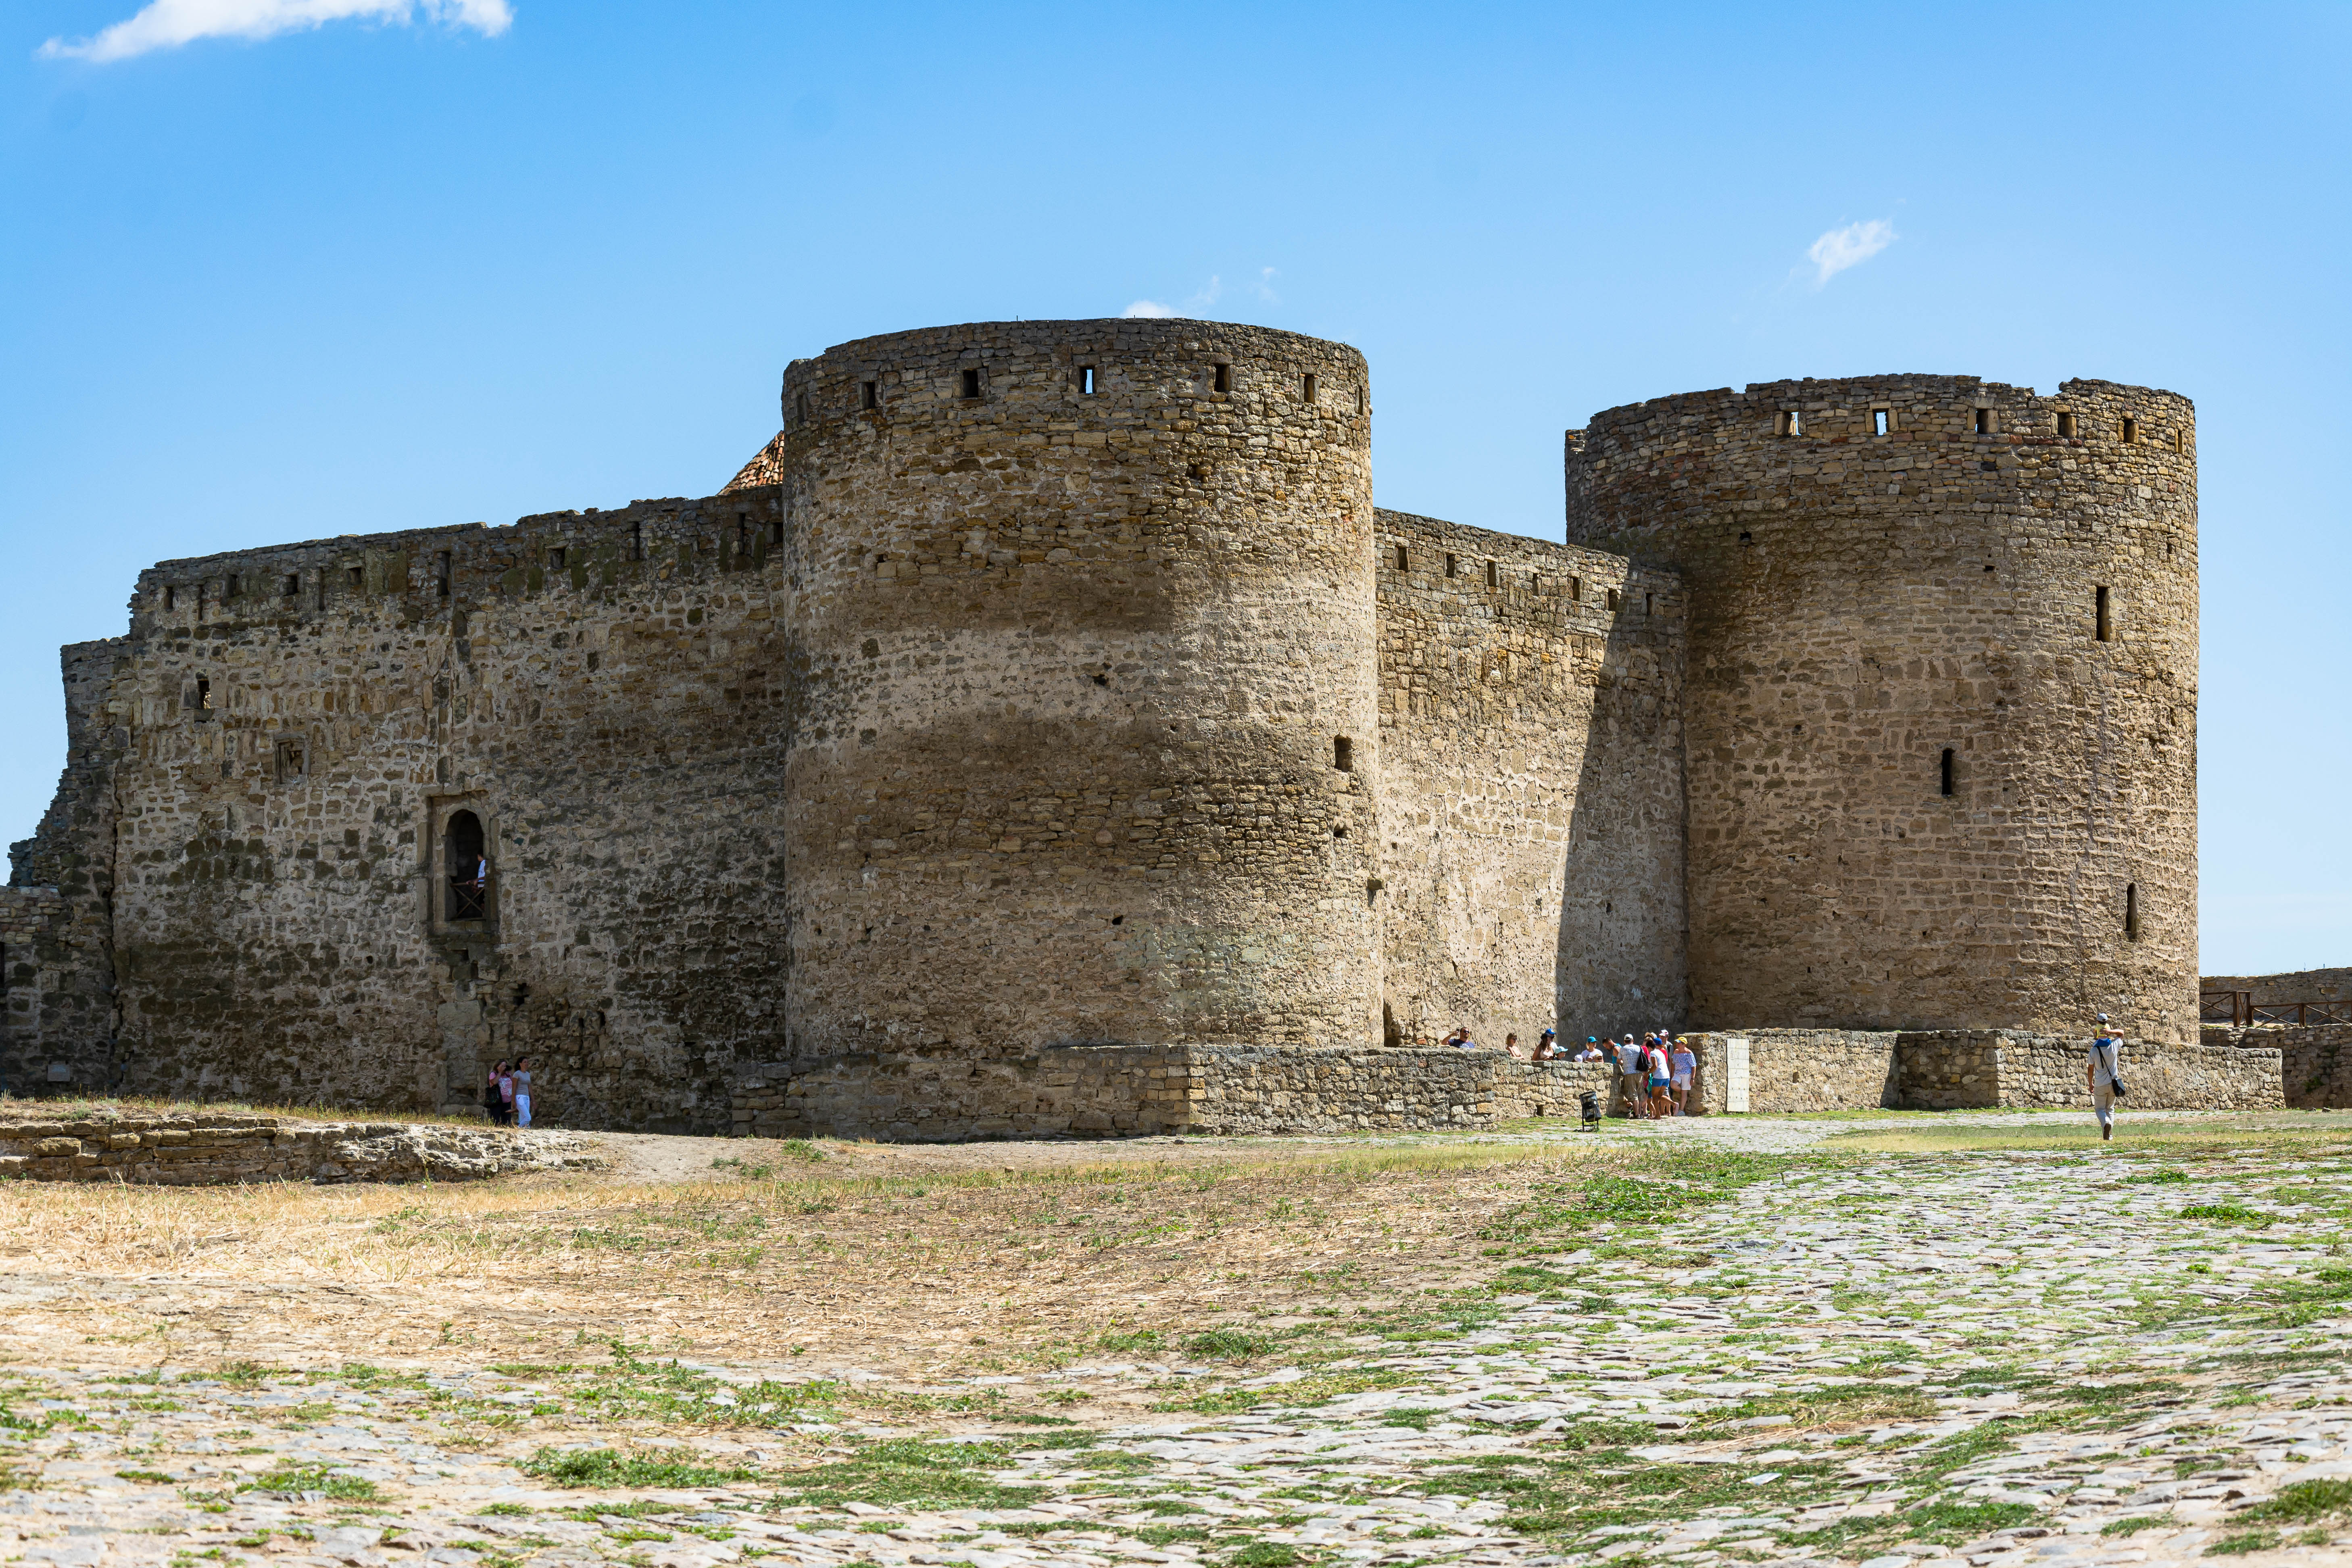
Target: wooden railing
[2239, 1009]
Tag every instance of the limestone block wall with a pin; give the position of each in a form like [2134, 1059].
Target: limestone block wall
[214, 1150]
[276, 766]
[56, 1007]
[2298, 985]
[1531, 754]
[1139, 1091]
[1942, 694]
[1085, 749]
[2315, 1060]
[2160, 1076]
[1802, 1070]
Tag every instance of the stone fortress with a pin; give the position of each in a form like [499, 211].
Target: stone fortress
[1047, 715]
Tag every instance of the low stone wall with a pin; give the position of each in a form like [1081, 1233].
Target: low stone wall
[1113, 1091]
[218, 1151]
[2314, 1060]
[2044, 1070]
[1107, 1090]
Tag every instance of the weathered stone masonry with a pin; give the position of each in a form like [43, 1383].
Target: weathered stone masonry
[1056, 687]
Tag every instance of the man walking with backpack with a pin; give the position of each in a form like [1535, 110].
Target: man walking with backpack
[2107, 1078]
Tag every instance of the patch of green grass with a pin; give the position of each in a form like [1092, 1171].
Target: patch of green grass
[155, 1477]
[1229, 1344]
[2136, 1523]
[1655, 1187]
[629, 1533]
[289, 1479]
[2169, 1177]
[1161, 1534]
[1263, 1554]
[1141, 1339]
[1955, 1522]
[2304, 1502]
[1846, 1404]
[1307, 1390]
[2230, 1211]
[502, 1511]
[2242, 1542]
[611, 1468]
[908, 1472]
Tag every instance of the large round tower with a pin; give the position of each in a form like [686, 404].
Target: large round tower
[1942, 701]
[1084, 676]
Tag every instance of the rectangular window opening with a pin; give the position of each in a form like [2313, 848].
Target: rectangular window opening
[1404, 559]
[1085, 381]
[1649, 605]
[234, 583]
[1360, 400]
[1308, 388]
[442, 564]
[1224, 381]
[637, 541]
[2066, 424]
[1612, 598]
[2131, 432]
[288, 760]
[2131, 911]
[204, 692]
[557, 557]
[1792, 422]
[800, 408]
[1576, 590]
[2106, 616]
[971, 384]
[1494, 576]
[1880, 422]
[1535, 583]
[171, 597]
[355, 577]
[869, 395]
[1946, 788]
[1984, 421]
[1343, 753]
[1450, 566]
[2180, 440]
[775, 533]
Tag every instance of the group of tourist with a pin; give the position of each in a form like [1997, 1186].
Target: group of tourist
[1653, 1077]
[507, 1097]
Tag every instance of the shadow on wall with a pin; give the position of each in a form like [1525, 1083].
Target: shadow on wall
[1623, 962]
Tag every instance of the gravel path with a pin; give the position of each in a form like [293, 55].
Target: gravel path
[1978, 1360]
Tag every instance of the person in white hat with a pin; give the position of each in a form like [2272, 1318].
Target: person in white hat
[2103, 1073]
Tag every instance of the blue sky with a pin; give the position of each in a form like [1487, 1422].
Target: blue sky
[457, 259]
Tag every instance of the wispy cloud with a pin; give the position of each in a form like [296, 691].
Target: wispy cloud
[1849, 247]
[1202, 300]
[168, 24]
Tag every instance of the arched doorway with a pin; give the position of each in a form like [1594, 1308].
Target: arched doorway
[470, 870]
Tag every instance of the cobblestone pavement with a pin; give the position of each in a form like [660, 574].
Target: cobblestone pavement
[1990, 1359]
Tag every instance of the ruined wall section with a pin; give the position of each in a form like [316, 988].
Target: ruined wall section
[57, 950]
[1083, 610]
[604, 692]
[1863, 601]
[1531, 785]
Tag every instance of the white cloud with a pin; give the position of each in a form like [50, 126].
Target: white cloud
[1849, 247]
[1265, 286]
[1198, 305]
[1149, 308]
[168, 24]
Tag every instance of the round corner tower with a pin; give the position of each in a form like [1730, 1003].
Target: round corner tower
[1941, 716]
[1084, 671]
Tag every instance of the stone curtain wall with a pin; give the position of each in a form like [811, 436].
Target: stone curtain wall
[1797, 1070]
[2049, 1073]
[2314, 1060]
[57, 950]
[1860, 604]
[224, 1150]
[1076, 666]
[290, 733]
[2302, 985]
[55, 1011]
[1531, 785]
[1144, 1091]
